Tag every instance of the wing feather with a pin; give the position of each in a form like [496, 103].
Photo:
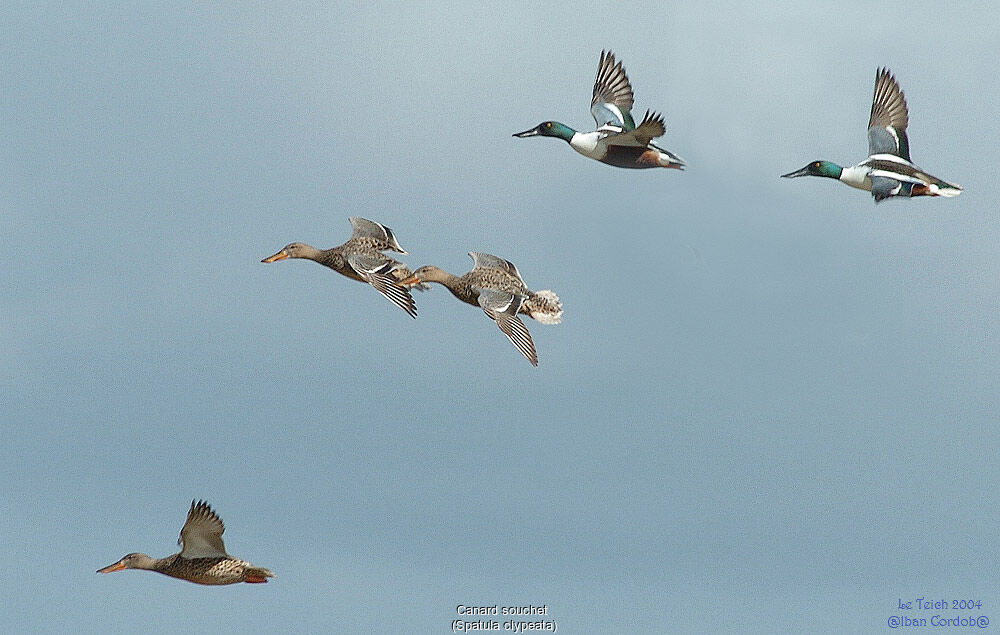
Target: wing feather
[488, 261]
[613, 99]
[889, 118]
[364, 228]
[502, 307]
[378, 273]
[201, 536]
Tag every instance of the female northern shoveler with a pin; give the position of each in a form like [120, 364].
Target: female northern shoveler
[361, 259]
[495, 285]
[617, 140]
[202, 559]
[887, 171]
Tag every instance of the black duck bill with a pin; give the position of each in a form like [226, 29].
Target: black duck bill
[531, 132]
[803, 172]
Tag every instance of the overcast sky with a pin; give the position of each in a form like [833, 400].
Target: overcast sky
[771, 406]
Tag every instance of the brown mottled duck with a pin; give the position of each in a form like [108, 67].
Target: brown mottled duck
[496, 286]
[202, 559]
[361, 259]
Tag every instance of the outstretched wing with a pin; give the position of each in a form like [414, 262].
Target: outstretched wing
[613, 99]
[651, 127]
[488, 261]
[378, 273]
[364, 228]
[201, 536]
[502, 307]
[889, 118]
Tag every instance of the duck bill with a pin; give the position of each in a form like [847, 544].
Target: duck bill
[791, 175]
[527, 133]
[118, 566]
[408, 282]
[281, 255]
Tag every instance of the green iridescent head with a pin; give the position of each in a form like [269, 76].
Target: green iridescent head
[549, 129]
[817, 168]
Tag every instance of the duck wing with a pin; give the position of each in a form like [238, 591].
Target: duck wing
[651, 127]
[377, 270]
[201, 536]
[889, 118]
[364, 228]
[502, 307]
[611, 105]
[488, 261]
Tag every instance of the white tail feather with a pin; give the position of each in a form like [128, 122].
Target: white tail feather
[946, 191]
[546, 308]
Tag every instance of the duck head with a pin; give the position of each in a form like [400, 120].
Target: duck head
[293, 250]
[131, 561]
[817, 168]
[549, 129]
[427, 273]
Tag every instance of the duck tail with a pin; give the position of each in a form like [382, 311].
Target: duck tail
[668, 159]
[672, 161]
[945, 188]
[935, 187]
[257, 575]
[544, 306]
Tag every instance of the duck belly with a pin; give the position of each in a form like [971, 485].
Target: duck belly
[636, 157]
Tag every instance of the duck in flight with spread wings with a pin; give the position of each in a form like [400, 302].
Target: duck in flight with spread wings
[496, 286]
[361, 259]
[888, 171]
[202, 558]
[617, 140]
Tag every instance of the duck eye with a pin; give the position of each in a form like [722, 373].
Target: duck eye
[548, 124]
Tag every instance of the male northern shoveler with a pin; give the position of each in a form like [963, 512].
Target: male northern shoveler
[617, 140]
[361, 259]
[202, 559]
[495, 285]
[887, 171]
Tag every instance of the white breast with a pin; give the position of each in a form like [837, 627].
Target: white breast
[588, 144]
[857, 176]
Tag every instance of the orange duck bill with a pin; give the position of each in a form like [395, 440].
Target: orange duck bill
[118, 566]
[281, 255]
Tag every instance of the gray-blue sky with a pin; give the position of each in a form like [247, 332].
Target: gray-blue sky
[771, 405]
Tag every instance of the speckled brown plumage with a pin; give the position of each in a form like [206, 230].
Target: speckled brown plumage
[495, 285]
[202, 559]
[219, 570]
[361, 259]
